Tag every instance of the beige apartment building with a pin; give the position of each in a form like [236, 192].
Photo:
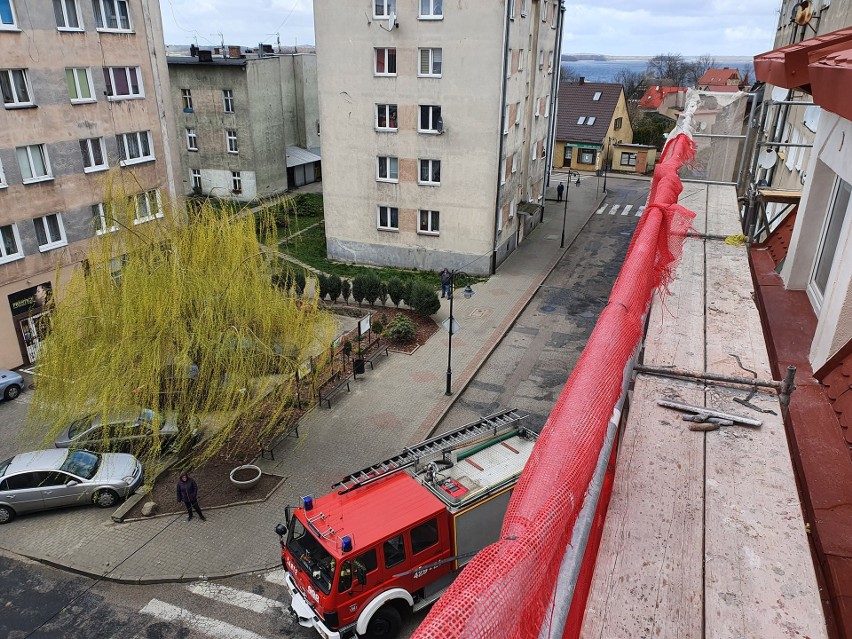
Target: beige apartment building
[83, 83]
[436, 127]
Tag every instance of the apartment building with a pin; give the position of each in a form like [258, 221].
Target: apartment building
[248, 123]
[437, 122]
[82, 84]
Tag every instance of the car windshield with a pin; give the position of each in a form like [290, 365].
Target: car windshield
[80, 426]
[312, 557]
[4, 465]
[81, 463]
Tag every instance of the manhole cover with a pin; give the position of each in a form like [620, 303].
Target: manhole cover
[478, 312]
[548, 309]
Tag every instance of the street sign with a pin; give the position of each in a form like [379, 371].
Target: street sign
[446, 325]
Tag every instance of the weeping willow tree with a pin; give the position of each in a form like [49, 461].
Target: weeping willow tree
[179, 315]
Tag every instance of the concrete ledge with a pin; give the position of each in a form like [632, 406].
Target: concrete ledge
[121, 512]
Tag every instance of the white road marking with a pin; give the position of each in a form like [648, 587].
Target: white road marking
[640, 211]
[234, 597]
[627, 209]
[601, 210]
[206, 625]
[614, 209]
[277, 577]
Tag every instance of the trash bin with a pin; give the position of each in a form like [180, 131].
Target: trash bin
[358, 366]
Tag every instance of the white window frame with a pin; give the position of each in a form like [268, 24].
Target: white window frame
[153, 194]
[430, 52]
[10, 26]
[591, 120]
[521, 60]
[186, 100]
[523, 8]
[386, 6]
[430, 165]
[387, 109]
[505, 119]
[10, 257]
[792, 151]
[89, 155]
[63, 6]
[124, 149]
[76, 76]
[544, 11]
[191, 139]
[110, 83]
[98, 6]
[547, 106]
[433, 222]
[512, 8]
[100, 220]
[541, 59]
[515, 162]
[518, 114]
[431, 10]
[3, 183]
[433, 120]
[543, 150]
[236, 182]
[390, 165]
[597, 96]
[631, 158]
[503, 171]
[195, 178]
[45, 158]
[387, 58]
[50, 243]
[581, 120]
[388, 211]
[833, 217]
[17, 103]
[228, 101]
[232, 144]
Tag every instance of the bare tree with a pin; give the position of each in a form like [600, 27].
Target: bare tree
[569, 75]
[700, 66]
[633, 83]
[670, 66]
[745, 75]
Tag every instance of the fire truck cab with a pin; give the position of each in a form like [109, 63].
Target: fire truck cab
[391, 538]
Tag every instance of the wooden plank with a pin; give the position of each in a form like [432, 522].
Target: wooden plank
[694, 198]
[647, 580]
[722, 211]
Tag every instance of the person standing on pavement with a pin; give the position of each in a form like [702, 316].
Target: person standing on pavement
[559, 190]
[446, 280]
[187, 494]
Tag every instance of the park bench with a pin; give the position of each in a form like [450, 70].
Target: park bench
[379, 349]
[269, 448]
[332, 385]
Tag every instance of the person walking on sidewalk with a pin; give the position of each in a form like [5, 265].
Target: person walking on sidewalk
[559, 190]
[446, 279]
[187, 494]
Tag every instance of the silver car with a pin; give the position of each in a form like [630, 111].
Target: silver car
[11, 384]
[48, 479]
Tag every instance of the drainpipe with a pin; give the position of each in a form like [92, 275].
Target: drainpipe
[554, 99]
[503, 93]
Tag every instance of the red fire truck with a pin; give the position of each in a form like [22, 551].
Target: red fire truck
[391, 538]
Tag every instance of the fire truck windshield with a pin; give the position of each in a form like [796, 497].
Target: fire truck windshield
[311, 556]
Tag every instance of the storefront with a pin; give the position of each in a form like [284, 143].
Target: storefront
[30, 308]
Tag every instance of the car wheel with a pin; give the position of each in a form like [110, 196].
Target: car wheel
[12, 391]
[6, 514]
[385, 624]
[106, 498]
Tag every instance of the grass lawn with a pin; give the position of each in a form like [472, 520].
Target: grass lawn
[297, 223]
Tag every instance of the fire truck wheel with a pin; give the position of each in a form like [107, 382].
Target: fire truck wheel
[385, 624]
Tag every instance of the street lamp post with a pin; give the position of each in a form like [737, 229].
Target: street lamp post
[565, 211]
[606, 160]
[468, 293]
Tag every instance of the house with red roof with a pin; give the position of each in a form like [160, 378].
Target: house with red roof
[667, 101]
[722, 80]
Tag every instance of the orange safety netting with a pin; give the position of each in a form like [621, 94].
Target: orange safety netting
[506, 589]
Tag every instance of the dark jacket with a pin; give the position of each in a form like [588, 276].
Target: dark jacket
[445, 277]
[187, 491]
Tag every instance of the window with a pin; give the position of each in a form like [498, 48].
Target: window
[49, 232]
[431, 9]
[517, 114]
[385, 61]
[388, 169]
[515, 163]
[123, 83]
[388, 218]
[503, 171]
[587, 156]
[367, 563]
[792, 151]
[430, 172]
[394, 551]
[135, 147]
[547, 106]
[383, 8]
[191, 140]
[148, 206]
[512, 9]
[15, 86]
[521, 60]
[424, 536]
[3, 184]
[80, 85]
[543, 150]
[628, 159]
[94, 155]
[428, 222]
[581, 120]
[236, 182]
[34, 163]
[830, 236]
[618, 123]
[541, 59]
[195, 178]
[102, 221]
[596, 96]
[567, 155]
[7, 16]
[231, 138]
[591, 120]
[186, 100]
[228, 100]
[67, 15]
[505, 119]
[430, 63]
[523, 8]
[10, 243]
[112, 15]
[386, 117]
[430, 119]
[550, 61]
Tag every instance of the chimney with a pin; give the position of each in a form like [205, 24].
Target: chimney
[234, 52]
[205, 56]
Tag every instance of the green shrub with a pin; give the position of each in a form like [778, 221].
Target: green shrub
[424, 299]
[308, 203]
[334, 285]
[401, 329]
[322, 284]
[345, 290]
[359, 288]
[408, 292]
[299, 279]
[377, 327]
[372, 288]
[396, 290]
[383, 293]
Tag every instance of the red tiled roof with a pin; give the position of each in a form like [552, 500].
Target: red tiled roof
[719, 77]
[577, 101]
[655, 95]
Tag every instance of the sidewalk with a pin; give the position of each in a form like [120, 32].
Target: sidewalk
[399, 403]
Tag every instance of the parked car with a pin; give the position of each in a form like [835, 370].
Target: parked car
[11, 384]
[48, 479]
[131, 431]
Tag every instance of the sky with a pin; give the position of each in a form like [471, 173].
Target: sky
[608, 27]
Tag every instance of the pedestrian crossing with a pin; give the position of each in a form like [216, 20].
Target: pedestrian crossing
[225, 600]
[618, 209]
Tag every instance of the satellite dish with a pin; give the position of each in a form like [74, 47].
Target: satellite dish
[391, 21]
[767, 158]
[702, 126]
[803, 12]
[439, 125]
[779, 94]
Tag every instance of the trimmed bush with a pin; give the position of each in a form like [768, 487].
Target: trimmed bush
[383, 293]
[359, 288]
[334, 285]
[401, 329]
[377, 327]
[396, 290]
[424, 299]
[372, 288]
[322, 284]
[345, 290]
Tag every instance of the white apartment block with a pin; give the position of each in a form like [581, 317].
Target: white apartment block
[435, 120]
[83, 83]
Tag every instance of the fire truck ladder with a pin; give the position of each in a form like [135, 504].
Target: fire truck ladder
[490, 426]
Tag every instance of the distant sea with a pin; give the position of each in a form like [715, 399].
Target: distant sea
[606, 70]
